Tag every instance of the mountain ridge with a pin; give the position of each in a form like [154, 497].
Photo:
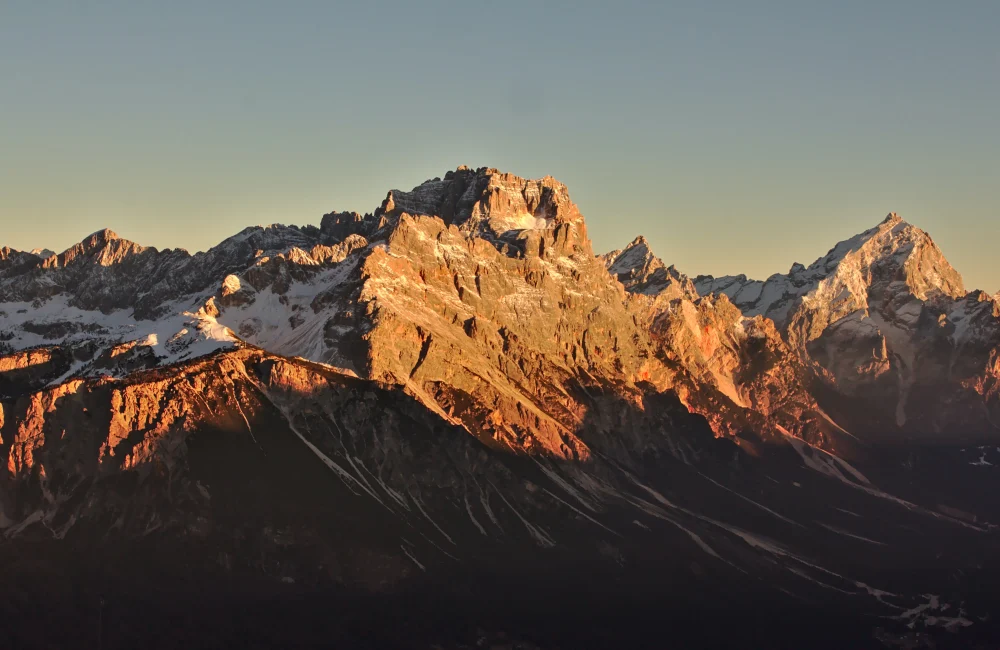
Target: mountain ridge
[454, 390]
[483, 205]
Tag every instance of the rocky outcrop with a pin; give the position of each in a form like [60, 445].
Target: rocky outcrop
[504, 338]
[13, 262]
[487, 202]
[640, 271]
[736, 371]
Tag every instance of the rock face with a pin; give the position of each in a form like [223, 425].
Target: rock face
[487, 202]
[392, 410]
[735, 370]
[892, 335]
[640, 271]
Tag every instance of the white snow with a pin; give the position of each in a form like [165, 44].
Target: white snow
[264, 322]
[179, 336]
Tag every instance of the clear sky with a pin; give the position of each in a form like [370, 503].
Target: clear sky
[737, 136]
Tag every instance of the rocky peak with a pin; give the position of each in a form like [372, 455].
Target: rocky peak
[878, 318]
[487, 200]
[104, 248]
[636, 256]
[641, 271]
[896, 250]
[7, 254]
[893, 256]
[14, 262]
[338, 226]
[273, 239]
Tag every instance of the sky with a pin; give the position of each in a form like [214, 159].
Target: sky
[738, 137]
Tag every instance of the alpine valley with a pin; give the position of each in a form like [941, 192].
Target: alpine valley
[450, 424]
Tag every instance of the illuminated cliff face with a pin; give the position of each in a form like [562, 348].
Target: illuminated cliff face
[458, 378]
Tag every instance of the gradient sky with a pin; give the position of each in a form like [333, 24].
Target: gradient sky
[737, 136]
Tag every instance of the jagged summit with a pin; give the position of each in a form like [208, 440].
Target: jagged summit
[896, 250]
[881, 313]
[893, 251]
[43, 253]
[637, 255]
[487, 200]
[500, 207]
[481, 201]
[6, 252]
[104, 248]
[641, 271]
[104, 234]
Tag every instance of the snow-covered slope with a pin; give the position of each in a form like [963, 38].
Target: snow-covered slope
[107, 292]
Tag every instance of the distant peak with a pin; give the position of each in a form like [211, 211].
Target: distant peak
[638, 255]
[638, 241]
[43, 253]
[103, 247]
[893, 226]
[106, 235]
[898, 245]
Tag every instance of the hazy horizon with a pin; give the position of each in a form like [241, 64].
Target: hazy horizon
[736, 140]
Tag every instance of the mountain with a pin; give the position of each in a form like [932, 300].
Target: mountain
[640, 271]
[895, 341]
[734, 370]
[448, 423]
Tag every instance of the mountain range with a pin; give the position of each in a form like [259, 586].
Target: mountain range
[449, 423]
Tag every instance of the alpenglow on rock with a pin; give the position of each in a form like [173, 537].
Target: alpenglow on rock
[451, 409]
[885, 321]
[449, 289]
